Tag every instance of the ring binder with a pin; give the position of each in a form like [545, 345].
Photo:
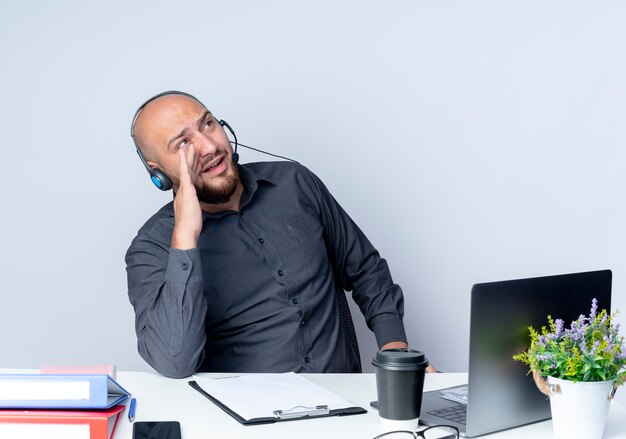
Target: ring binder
[60, 391]
[300, 411]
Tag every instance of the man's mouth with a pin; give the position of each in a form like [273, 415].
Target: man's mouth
[216, 166]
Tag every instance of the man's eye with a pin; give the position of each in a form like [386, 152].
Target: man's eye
[208, 124]
[182, 144]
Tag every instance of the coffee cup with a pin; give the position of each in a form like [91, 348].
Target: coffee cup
[399, 384]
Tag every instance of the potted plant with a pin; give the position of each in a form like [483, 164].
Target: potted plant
[579, 369]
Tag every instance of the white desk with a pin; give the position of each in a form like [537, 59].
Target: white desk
[165, 399]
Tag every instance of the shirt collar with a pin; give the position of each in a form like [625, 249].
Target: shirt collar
[251, 180]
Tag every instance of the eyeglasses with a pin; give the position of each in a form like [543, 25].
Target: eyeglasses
[434, 432]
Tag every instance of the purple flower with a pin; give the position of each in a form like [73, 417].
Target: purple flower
[595, 346]
[594, 308]
[583, 346]
[558, 329]
[544, 357]
[577, 332]
[603, 321]
[578, 324]
[541, 340]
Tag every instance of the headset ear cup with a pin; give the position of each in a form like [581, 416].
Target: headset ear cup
[158, 177]
[160, 180]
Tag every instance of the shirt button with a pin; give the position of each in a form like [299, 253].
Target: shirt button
[307, 359]
[185, 266]
[303, 322]
[261, 240]
[280, 272]
[294, 300]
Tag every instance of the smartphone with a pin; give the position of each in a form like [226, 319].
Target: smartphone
[156, 430]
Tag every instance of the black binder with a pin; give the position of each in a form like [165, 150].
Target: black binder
[284, 413]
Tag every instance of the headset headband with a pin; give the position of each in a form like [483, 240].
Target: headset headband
[142, 106]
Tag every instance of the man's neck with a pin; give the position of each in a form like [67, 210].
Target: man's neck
[232, 204]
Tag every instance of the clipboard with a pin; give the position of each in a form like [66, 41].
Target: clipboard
[267, 398]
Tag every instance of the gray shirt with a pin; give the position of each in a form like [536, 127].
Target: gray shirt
[258, 293]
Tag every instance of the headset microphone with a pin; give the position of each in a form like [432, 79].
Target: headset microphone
[235, 155]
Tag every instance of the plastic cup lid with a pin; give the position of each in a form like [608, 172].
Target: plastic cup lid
[400, 359]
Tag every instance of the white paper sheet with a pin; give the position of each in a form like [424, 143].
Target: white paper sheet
[455, 394]
[259, 395]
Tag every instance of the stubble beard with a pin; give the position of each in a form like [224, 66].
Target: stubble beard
[222, 191]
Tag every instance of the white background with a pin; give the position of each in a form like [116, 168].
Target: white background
[472, 141]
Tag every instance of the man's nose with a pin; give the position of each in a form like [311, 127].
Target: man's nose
[205, 145]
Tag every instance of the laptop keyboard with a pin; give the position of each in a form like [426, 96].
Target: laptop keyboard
[456, 413]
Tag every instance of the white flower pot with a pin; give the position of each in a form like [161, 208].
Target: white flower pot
[579, 410]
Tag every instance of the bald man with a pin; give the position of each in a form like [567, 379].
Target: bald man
[239, 272]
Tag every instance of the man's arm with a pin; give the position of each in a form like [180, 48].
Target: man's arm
[165, 286]
[361, 269]
[187, 212]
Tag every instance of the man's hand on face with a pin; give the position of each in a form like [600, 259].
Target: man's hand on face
[187, 212]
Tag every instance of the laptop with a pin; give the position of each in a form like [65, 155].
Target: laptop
[500, 394]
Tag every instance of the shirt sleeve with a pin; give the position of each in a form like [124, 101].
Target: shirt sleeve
[360, 268]
[165, 288]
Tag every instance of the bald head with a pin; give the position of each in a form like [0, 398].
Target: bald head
[159, 118]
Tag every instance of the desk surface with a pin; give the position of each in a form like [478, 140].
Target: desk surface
[165, 399]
